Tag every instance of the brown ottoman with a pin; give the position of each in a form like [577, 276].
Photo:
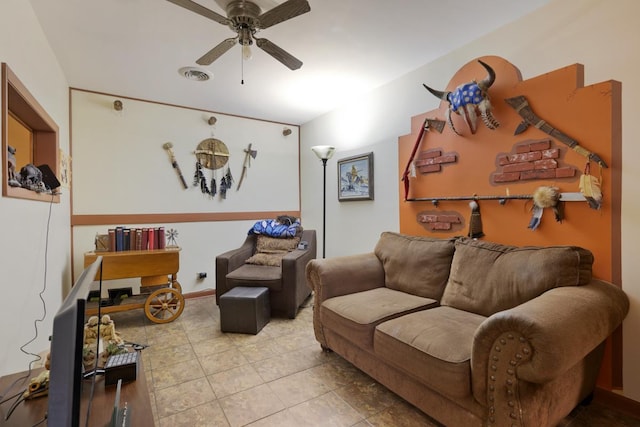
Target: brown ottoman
[244, 310]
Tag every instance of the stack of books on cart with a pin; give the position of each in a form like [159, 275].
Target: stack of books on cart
[131, 239]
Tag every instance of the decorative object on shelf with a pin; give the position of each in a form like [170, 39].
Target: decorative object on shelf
[590, 187]
[521, 105]
[355, 178]
[246, 18]
[248, 155]
[31, 178]
[545, 197]
[469, 99]
[169, 148]
[172, 234]
[12, 177]
[409, 170]
[324, 153]
[475, 221]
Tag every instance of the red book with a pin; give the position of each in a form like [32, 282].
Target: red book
[112, 239]
[152, 239]
[145, 239]
[161, 238]
[138, 239]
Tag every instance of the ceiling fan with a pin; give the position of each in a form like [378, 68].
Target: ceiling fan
[245, 18]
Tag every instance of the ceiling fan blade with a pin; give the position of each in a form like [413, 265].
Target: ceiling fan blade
[217, 51]
[287, 10]
[201, 10]
[278, 53]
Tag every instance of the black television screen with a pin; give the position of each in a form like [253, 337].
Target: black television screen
[65, 376]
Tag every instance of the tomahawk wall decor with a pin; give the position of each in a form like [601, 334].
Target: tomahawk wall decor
[355, 178]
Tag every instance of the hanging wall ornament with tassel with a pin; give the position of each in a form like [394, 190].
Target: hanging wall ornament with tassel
[475, 221]
[591, 188]
[545, 197]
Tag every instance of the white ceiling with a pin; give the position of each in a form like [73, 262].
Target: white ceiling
[134, 48]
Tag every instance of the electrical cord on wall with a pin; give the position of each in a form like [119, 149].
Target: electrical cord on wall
[37, 357]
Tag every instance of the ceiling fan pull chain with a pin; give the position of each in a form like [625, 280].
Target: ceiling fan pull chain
[241, 70]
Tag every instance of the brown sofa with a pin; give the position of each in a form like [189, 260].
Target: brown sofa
[287, 284]
[472, 333]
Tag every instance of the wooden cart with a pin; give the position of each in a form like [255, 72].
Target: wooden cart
[156, 268]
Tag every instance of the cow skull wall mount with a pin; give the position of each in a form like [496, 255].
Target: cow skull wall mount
[470, 99]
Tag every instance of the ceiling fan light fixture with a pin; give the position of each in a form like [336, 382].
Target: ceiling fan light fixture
[195, 73]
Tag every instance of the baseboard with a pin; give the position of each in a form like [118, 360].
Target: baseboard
[199, 294]
[617, 401]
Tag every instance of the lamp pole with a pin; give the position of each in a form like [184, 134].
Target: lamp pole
[324, 153]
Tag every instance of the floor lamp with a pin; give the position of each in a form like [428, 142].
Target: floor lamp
[324, 153]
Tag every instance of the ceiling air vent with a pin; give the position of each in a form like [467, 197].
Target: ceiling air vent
[194, 73]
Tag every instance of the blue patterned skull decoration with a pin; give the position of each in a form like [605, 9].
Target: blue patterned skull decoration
[469, 100]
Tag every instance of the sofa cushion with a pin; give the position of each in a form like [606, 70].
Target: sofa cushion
[256, 275]
[355, 316]
[416, 265]
[489, 277]
[433, 346]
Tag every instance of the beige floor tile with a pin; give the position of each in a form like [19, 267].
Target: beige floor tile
[326, 410]
[158, 343]
[250, 405]
[170, 375]
[208, 332]
[402, 414]
[279, 419]
[179, 398]
[299, 387]
[206, 415]
[262, 350]
[219, 362]
[170, 356]
[212, 346]
[234, 380]
[367, 397]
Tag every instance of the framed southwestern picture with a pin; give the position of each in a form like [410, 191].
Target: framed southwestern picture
[355, 178]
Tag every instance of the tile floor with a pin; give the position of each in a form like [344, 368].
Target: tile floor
[199, 376]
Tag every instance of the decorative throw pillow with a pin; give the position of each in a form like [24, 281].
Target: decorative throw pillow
[268, 244]
[489, 277]
[415, 265]
[273, 260]
[271, 250]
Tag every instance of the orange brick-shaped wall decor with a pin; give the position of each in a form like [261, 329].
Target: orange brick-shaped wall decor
[436, 221]
[533, 160]
[430, 161]
[487, 165]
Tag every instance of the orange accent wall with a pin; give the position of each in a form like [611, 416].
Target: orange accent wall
[591, 115]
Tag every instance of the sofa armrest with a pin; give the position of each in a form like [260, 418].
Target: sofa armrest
[540, 340]
[229, 261]
[332, 277]
[294, 282]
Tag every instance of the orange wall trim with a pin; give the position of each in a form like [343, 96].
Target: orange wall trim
[174, 217]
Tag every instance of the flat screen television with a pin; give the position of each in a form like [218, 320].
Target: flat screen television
[65, 376]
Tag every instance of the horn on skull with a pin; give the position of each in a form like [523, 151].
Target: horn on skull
[488, 81]
[437, 93]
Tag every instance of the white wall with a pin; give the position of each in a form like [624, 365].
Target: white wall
[120, 167]
[35, 254]
[600, 34]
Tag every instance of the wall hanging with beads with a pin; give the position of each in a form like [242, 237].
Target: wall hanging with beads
[213, 154]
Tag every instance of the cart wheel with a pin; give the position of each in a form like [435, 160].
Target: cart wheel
[164, 305]
[176, 285]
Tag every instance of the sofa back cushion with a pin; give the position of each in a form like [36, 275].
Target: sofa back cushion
[416, 265]
[489, 277]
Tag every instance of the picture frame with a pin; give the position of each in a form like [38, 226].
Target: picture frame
[355, 178]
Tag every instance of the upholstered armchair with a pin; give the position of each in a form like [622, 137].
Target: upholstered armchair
[286, 282]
